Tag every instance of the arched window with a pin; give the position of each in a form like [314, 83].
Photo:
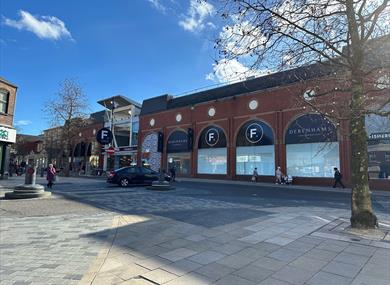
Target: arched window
[312, 148]
[255, 149]
[212, 152]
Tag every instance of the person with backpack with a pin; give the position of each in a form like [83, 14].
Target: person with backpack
[337, 178]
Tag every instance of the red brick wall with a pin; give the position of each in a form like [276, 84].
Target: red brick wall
[277, 107]
[8, 118]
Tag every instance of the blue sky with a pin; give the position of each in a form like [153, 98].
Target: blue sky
[137, 48]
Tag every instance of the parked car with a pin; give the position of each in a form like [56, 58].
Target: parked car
[134, 175]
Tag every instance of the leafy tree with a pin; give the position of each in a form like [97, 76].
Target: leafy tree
[348, 38]
[69, 110]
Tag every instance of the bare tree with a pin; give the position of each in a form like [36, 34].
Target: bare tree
[68, 110]
[348, 38]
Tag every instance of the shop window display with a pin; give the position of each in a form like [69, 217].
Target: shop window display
[212, 152]
[212, 161]
[312, 148]
[255, 149]
[312, 159]
[378, 146]
[251, 157]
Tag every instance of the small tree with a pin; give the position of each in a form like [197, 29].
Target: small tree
[350, 37]
[68, 110]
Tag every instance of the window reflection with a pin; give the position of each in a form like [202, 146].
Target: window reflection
[249, 157]
[212, 161]
[312, 159]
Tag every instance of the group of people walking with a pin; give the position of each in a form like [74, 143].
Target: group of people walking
[281, 178]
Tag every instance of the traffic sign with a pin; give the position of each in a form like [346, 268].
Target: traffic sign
[104, 136]
[110, 150]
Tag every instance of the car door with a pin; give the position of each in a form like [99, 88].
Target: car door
[132, 175]
[148, 175]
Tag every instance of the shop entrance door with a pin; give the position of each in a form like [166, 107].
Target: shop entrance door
[182, 163]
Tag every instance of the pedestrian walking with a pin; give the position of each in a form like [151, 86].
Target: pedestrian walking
[173, 172]
[337, 178]
[50, 176]
[255, 175]
[278, 174]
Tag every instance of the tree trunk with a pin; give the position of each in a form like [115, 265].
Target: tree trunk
[362, 215]
[66, 160]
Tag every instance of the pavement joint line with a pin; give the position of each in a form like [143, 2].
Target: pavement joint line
[147, 279]
[97, 265]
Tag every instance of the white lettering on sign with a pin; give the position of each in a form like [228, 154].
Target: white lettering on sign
[104, 134]
[380, 136]
[254, 133]
[212, 137]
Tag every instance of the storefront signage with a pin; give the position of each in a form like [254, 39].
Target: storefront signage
[379, 138]
[212, 136]
[177, 142]
[254, 133]
[311, 128]
[104, 136]
[7, 135]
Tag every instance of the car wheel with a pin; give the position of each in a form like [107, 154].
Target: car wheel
[124, 182]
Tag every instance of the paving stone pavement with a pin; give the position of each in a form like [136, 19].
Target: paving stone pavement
[50, 250]
[135, 236]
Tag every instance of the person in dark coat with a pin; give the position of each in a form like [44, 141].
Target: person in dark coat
[51, 172]
[173, 173]
[337, 178]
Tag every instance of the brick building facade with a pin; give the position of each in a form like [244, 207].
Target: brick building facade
[229, 131]
[7, 131]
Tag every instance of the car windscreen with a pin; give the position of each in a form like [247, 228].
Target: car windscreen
[127, 170]
[147, 171]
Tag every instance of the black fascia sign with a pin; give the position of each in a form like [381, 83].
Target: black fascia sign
[104, 136]
[177, 142]
[311, 128]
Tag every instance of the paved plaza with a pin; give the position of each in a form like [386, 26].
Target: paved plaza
[89, 232]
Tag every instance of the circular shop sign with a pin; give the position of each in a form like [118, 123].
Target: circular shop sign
[104, 136]
[254, 133]
[212, 137]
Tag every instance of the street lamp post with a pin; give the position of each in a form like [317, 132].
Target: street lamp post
[131, 128]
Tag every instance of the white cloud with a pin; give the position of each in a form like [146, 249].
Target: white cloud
[156, 4]
[228, 71]
[44, 27]
[23, 123]
[196, 17]
[241, 38]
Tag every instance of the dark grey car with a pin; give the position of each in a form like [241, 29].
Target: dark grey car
[134, 175]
